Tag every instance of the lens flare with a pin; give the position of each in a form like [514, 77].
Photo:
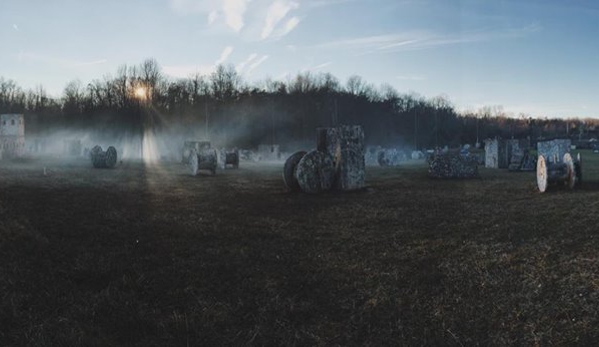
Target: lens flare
[140, 93]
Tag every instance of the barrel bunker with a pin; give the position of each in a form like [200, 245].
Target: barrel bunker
[336, 163]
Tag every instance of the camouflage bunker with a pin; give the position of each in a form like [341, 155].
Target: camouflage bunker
[337, 163]
[12, 135]
[499, 152]
[554, 150]
[453, 165]
[197, 145]
[346, 145]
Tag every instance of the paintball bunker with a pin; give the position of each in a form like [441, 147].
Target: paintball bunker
[556, 166]
[199, 155]
[452, 165]
[101, 159]
[554, 150]
[337, 163]
[503, 154]
[12, 135]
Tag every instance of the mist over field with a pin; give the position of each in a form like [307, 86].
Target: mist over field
[299, 173]
[144, 108]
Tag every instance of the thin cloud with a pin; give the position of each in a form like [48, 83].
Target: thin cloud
[376, 41]
[257, 63]
[323, 3]
[244, 63]
[185, 7]
[284, 76]
[290, 25]
[418, 40]
[224, 55]
[410, 78]
[316, 67]
[234, 11]
[16, 27]
[212, 17]
[56, 61]
[321, 66]
[275, 13]
[184, 71]
[398, 44]
[95, 62]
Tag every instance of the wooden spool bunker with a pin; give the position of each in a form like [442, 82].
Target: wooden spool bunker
[568, 172]
[289, 171]
[315, 172]
[101, 159]
[206, 159]
[337, 163]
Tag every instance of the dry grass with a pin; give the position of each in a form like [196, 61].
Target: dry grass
[151, 256]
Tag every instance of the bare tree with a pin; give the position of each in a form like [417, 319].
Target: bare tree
[225, 82]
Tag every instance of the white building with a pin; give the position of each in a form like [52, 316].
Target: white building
[12, 135]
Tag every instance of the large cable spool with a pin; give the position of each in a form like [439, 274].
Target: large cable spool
[205, 159]
[568, 172]
[289, 171]
[192, 162]
[315, 172]
[542, 174]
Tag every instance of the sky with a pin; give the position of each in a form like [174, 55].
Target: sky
[539, 57]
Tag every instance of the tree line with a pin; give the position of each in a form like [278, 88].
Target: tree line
[270, 111]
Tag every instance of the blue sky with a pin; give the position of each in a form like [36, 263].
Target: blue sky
[537, 57]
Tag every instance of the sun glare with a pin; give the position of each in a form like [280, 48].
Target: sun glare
[140, 92]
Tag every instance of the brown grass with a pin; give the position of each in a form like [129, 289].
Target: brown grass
[151, 256]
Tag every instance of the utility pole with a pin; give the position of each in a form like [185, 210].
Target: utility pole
[336, 115]
[436, 129]
[206, 117]
[272, 120]
[415, 130]
[477, 143]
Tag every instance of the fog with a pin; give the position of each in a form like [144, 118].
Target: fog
[152, 145]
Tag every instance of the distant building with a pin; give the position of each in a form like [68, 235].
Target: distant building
[12, 135]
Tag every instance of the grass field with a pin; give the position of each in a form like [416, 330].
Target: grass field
[151, 256]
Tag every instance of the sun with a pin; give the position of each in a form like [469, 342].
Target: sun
[140, 92]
